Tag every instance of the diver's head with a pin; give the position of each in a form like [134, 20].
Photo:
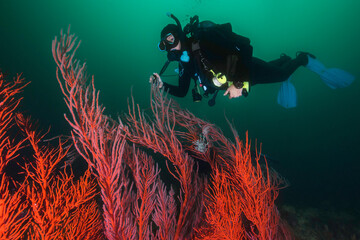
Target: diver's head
[169, 38]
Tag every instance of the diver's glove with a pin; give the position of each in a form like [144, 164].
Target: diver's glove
[155, 79]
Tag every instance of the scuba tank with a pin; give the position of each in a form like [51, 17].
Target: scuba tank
[192, 28]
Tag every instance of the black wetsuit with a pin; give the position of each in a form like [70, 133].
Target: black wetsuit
[186, 73]
[274, 71]
[248, 68]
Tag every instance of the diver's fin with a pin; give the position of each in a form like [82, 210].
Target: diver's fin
[287, 95]
[333, 77]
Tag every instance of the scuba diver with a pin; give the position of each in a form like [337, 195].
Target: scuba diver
[216, 59]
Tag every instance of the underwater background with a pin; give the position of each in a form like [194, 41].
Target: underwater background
[314, 146]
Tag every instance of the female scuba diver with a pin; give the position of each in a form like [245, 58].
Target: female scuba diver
[218, 59]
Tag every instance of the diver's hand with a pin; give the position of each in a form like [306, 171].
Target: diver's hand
[156, 79]
[233, 92]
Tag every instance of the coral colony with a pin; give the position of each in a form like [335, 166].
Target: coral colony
[121, 195]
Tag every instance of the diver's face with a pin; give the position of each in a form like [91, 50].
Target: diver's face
[170, 39]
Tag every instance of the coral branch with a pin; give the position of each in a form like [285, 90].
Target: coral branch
[13, 214]
[99, 140]
[160, 135]
[8, 104]
[56, 200]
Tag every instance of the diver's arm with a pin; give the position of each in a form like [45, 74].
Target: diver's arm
[183, 87]
[242, 77]
[178, 91]
[245, 54]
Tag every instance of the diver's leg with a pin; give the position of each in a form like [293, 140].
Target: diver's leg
[275, 71]
[280, 61]
[263, 72]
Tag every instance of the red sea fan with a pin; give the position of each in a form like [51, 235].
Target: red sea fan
[48, 204]
[237, 202]
[13, 215]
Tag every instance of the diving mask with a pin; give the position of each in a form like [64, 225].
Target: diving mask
[167, 42]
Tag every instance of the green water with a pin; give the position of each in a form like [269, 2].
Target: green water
[315, 146]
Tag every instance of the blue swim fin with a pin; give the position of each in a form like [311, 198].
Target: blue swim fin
[287, 94]
[333, 77]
